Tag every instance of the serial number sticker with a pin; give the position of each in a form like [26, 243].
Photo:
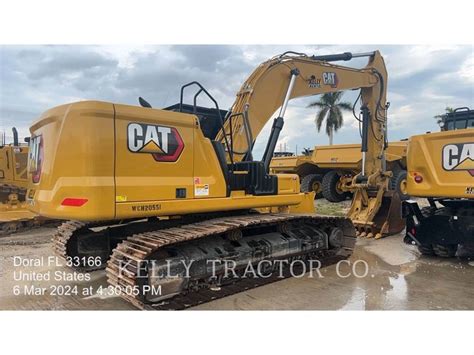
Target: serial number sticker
[201, 190]
[145, 208]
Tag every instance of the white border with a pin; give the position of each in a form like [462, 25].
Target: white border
[236, 22]
[243, 21]
[196, 332]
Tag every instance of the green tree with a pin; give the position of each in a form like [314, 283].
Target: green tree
[440, 118]
[330, 110]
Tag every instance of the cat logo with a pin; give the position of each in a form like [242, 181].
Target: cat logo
[163, 143]
[459, 157]
[330, 78]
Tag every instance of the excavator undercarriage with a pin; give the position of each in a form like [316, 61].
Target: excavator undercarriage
[180, 263]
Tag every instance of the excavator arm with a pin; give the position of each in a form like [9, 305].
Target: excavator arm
[287, 76]
[291, 75]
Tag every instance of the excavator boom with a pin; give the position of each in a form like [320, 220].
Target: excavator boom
[287, 76]
[374, 209]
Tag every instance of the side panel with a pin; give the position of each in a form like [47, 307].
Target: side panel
[6, 171]
[208, 176]
[445, 163]
[77, 161]
[20, 159]
[13, 161]
[154, 154]
[349, 156]
[288, 184]
[282, 164]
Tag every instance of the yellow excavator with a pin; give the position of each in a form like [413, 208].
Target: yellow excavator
[150, 190]
[441, 169]
[14, 215]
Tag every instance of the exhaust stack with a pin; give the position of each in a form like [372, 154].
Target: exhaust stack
[15, 137]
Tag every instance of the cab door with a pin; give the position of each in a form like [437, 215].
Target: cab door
[154, 154]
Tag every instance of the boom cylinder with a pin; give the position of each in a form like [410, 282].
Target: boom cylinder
[365, 135]
[341, 56]
[278, 123]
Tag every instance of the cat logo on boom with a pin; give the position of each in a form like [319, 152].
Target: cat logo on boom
[458, 157]
[163, 143]
[330, 78]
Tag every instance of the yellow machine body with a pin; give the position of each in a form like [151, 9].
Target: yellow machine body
[14, 213]
[89, 160]
[441, 169]
[154, 179]
[444, 164]
[13, 166]
[89, 164]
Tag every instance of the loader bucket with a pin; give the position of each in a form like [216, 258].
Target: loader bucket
[389, 216]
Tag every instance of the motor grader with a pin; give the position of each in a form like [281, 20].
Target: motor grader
[329, 170]
[14, 214]
[441, 169]
[148, 189]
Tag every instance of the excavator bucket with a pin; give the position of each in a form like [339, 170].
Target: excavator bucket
[389, 215]
[376, 214]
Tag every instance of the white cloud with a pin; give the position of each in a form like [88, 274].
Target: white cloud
[402, 116]
[467, 69]
[422, 81]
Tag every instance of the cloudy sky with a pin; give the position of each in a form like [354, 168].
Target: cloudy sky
[423, 80]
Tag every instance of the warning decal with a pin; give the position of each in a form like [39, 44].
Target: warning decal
[201, 190]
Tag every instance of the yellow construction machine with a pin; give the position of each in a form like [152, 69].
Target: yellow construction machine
[14, 215]
[441, 169]
[329, 170]
[152, 190]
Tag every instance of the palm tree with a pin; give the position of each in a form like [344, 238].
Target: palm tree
[330, 109]
[440, 118]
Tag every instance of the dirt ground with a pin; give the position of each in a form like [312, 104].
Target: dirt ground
[398, 278]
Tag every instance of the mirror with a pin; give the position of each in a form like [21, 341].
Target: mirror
[143, 102]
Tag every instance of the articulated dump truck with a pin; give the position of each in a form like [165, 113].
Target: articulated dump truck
[14, 214]
[329, 170]
[441, 169]
[145, 190]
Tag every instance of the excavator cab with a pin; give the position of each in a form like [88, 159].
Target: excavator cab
[246, 175]
[460, 118]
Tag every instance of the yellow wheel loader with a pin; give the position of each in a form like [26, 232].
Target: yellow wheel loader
[441, 169]
[14, 214]
[329, 170]
[153, 195]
